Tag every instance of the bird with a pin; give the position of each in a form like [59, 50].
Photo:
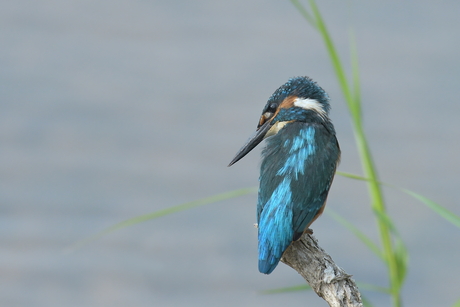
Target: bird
[297, 168]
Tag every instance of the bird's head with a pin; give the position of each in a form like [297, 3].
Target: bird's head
[298, 100]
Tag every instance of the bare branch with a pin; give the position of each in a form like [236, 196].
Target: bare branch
[328, 280]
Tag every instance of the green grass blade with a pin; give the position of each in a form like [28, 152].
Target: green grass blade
[355, 75]
[400, 254]
[457, 304]
[160, 213]
[365, 301]
[443, 212]
[362, 286]
[333, 55]
[437, 208]
[358, 233]
[304, 13]
[287, 289]
[402, 261]
[386, 220]
[352, 176]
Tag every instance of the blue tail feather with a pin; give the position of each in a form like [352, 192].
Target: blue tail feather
[270, 254]
[266, 266]
[275, 227]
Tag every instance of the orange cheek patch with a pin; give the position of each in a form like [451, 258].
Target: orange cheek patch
[288, 102]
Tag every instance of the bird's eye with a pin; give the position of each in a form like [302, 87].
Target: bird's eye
[272, 108]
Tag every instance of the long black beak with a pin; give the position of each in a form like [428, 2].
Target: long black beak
[252, 142]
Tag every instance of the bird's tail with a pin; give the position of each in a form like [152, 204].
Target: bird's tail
[267, 266]
[275, 228]
[270, 251]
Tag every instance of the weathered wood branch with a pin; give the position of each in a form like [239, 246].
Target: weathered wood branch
[328, 280]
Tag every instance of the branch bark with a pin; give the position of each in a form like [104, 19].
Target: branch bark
[328, 280]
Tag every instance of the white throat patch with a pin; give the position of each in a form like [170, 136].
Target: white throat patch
[275, 128]
[310, 104]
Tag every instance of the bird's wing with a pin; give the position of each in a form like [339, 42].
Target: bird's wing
[310, 191]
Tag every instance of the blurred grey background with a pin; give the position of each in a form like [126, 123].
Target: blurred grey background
[113, 109]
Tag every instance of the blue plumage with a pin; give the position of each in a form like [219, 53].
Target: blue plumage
[303, 146]
[298, 165]
[276, 221]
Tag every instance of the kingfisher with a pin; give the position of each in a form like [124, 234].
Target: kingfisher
[298, 165]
